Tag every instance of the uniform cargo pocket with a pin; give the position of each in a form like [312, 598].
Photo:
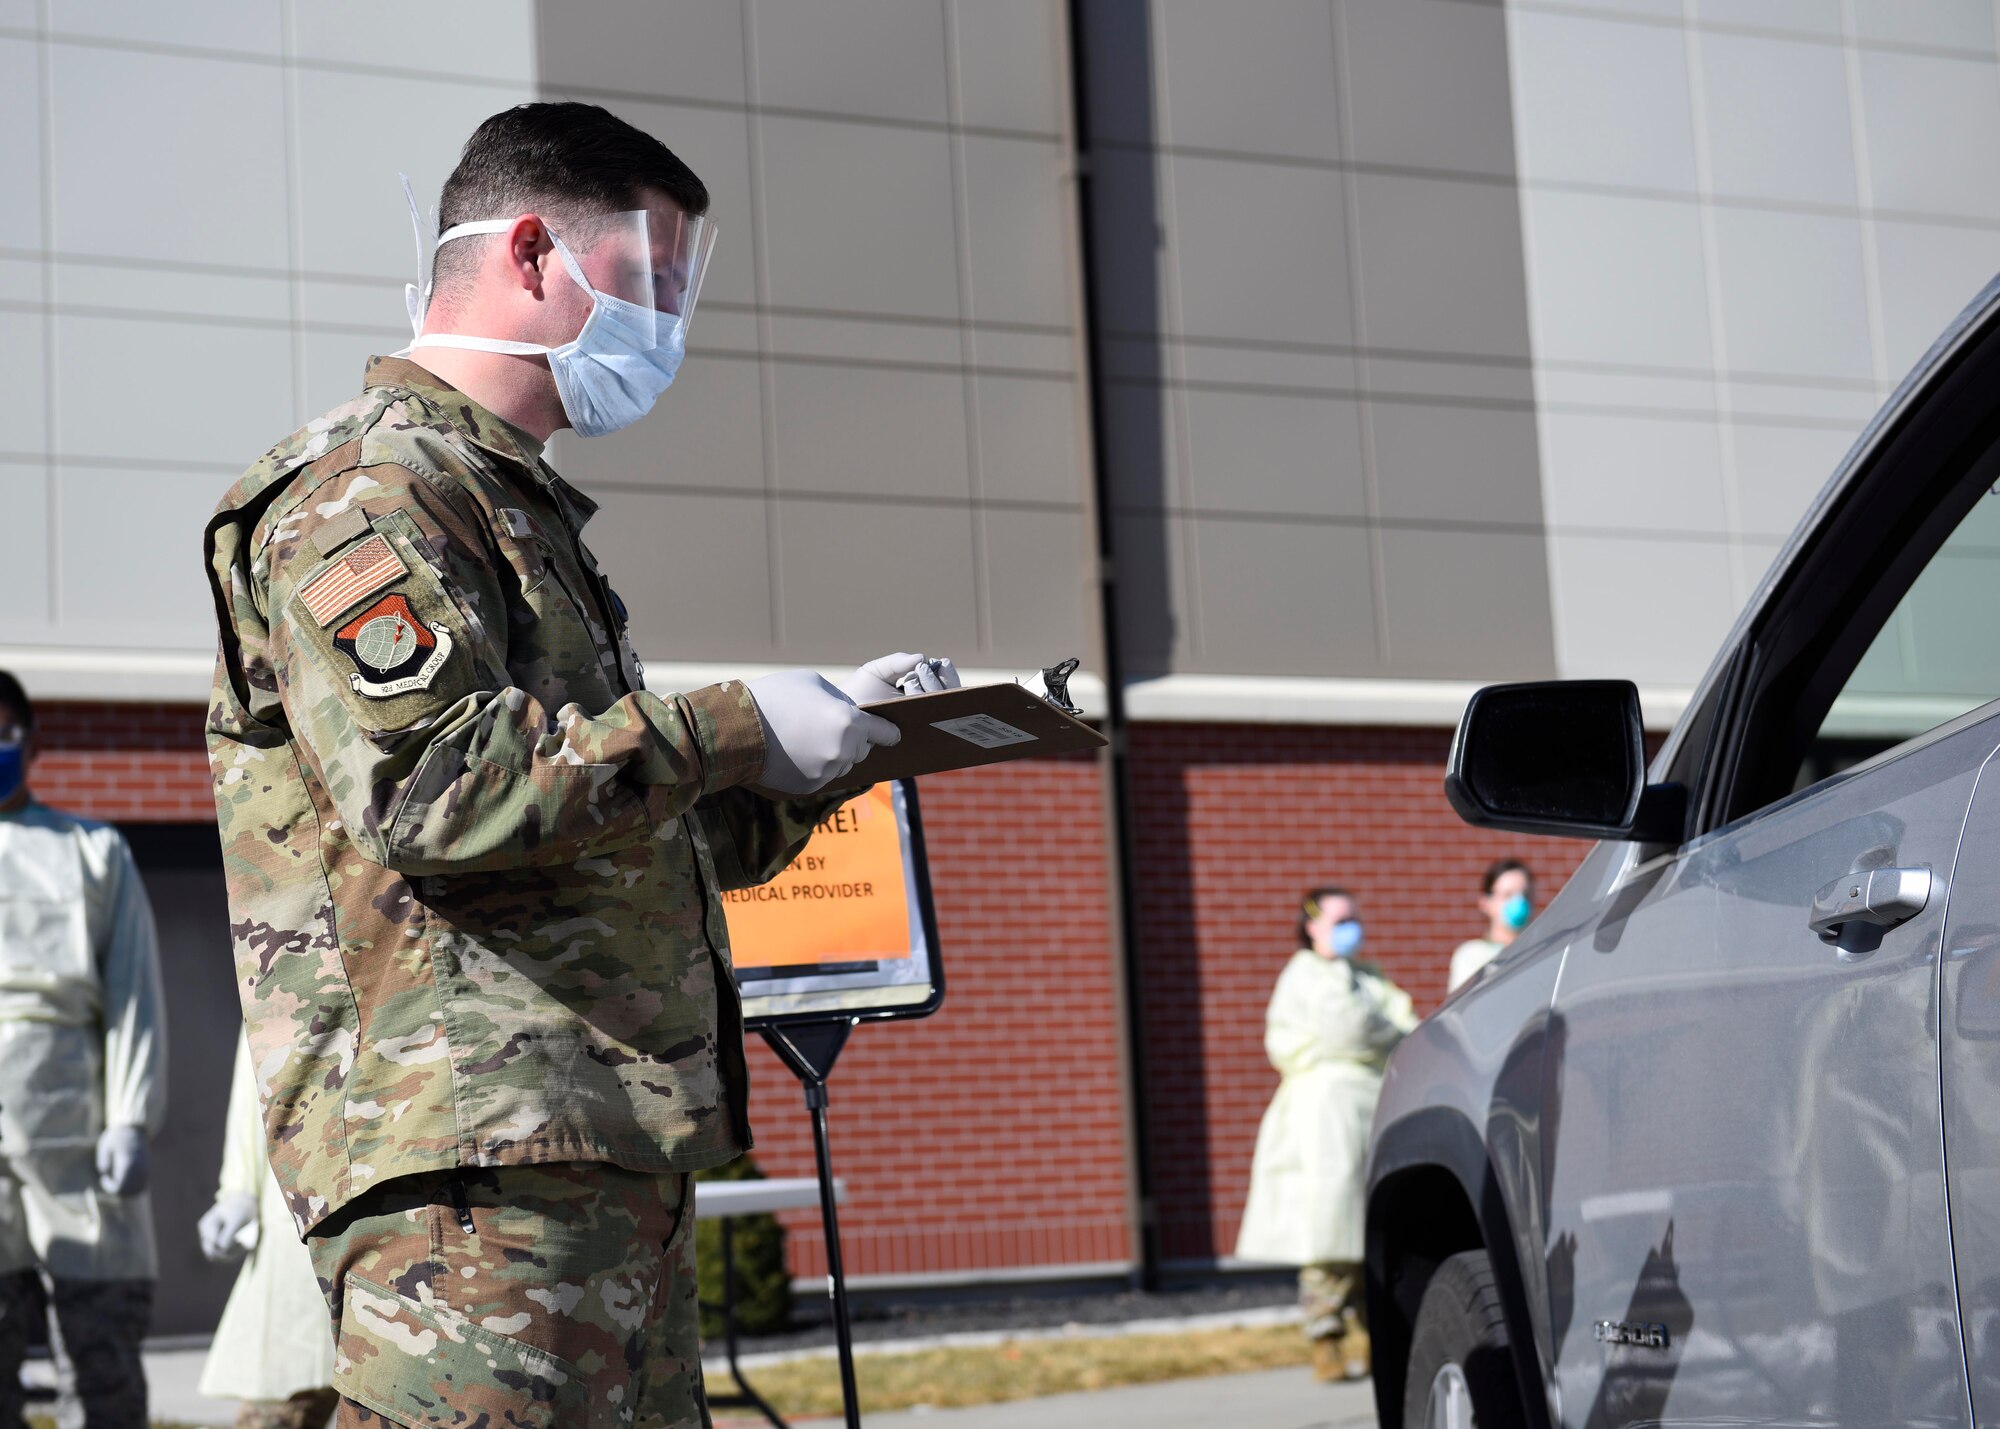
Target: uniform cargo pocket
[425, 1364]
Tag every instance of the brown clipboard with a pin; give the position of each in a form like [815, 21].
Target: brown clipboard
[963, 729]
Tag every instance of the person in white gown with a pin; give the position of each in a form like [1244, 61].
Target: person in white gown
[273, 1349]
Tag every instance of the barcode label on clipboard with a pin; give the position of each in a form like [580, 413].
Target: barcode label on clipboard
[984, 731]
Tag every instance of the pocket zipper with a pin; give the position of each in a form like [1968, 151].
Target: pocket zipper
[461, 1205]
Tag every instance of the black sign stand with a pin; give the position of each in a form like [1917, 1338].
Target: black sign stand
[809, 1049]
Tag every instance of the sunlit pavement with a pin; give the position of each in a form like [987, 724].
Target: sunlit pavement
[1268, 1399]
[170, 1380]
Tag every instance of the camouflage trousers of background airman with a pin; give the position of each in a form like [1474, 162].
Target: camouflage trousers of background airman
[1330, 1297]
[1336, 1319]
[557, 1296]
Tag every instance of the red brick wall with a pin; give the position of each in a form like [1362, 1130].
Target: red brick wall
[1233, 824]
[130, 762]
[990, 1135]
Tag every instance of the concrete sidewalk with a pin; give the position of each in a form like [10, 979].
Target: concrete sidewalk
[171, 1376]
[1268, 1399]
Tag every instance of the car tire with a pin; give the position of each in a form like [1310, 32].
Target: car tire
[1461, 1366]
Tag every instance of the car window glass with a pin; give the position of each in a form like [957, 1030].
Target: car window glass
[1936, 657]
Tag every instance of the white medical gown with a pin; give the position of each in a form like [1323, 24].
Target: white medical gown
[82, 1043]
[1329, 1030]
[274, 1339]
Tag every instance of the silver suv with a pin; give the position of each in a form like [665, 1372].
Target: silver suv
[1717, 1140]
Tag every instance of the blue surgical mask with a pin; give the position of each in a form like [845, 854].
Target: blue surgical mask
[613, 371]
[13, 769]
[1345, 939]
[1516, 911]
[608, 381]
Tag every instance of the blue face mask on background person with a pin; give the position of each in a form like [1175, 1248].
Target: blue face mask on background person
[1345, 940]
[1516, 911]
[13, 769]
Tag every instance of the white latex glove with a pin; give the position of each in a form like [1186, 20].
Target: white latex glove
[229, 1227]
[881, 679]
[812, 732]
[121, 1161]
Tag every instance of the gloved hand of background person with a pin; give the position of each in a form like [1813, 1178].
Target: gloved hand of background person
[222, 1225]
[879, 679]
[121, 1161]
[812, 732]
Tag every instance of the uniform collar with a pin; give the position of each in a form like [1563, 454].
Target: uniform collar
[473, 421]
[580, 508]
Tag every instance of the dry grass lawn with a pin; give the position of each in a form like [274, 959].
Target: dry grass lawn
[1017, 1369]
[1022, 1369]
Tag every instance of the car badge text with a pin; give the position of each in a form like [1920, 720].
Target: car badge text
[1630, 1332]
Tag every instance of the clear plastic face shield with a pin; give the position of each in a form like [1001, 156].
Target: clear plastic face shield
[642, 271]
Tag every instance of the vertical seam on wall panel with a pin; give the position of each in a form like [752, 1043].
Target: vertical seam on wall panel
[1174, 352]
[1718, 339]
[1114, 761]
[1350, 215]
[968, 349]
[1903, 617]
[767, 375]
[1864, 202]
[295, 202]
[1551, 564]
[45, 66]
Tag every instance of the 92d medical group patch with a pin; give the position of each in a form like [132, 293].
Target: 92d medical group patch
[394, 652]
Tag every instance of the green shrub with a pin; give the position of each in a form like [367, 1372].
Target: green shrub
[763, 1284]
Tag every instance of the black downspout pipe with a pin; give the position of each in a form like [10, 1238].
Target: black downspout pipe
[1117, 757]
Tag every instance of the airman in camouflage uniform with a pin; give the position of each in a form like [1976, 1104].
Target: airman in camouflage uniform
[473, 871]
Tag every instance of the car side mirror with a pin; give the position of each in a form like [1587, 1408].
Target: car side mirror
[1560, 757]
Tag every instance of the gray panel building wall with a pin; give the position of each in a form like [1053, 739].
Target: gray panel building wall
[1318, 409]
[1439, 340]
[200, 242]
[879, 442]
[1745, 220]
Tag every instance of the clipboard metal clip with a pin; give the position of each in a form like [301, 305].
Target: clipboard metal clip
[1053, 685]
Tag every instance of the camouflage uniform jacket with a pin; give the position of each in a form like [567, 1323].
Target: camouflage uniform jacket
[473, 865]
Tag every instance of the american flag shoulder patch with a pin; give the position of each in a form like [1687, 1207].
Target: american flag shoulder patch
[351, 578]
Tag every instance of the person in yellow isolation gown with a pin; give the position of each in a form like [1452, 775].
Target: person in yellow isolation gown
[1331, 1025]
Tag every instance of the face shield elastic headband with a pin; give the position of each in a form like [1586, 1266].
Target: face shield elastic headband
[634, 256]
[643, 279]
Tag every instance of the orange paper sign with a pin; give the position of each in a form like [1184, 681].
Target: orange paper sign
[844, 900]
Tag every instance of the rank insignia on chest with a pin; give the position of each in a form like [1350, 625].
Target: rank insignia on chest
[395, 652]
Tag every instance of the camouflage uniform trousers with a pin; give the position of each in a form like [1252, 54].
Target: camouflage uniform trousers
[557, 1296]
[98, 1326]
[1330, 1296]
[308, 1409]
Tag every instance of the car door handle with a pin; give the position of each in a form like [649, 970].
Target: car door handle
[1857, 908]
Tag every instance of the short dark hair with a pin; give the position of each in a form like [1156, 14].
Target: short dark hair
[15, 698]
[1499, 868]
[1313, 901]
[567, 161]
